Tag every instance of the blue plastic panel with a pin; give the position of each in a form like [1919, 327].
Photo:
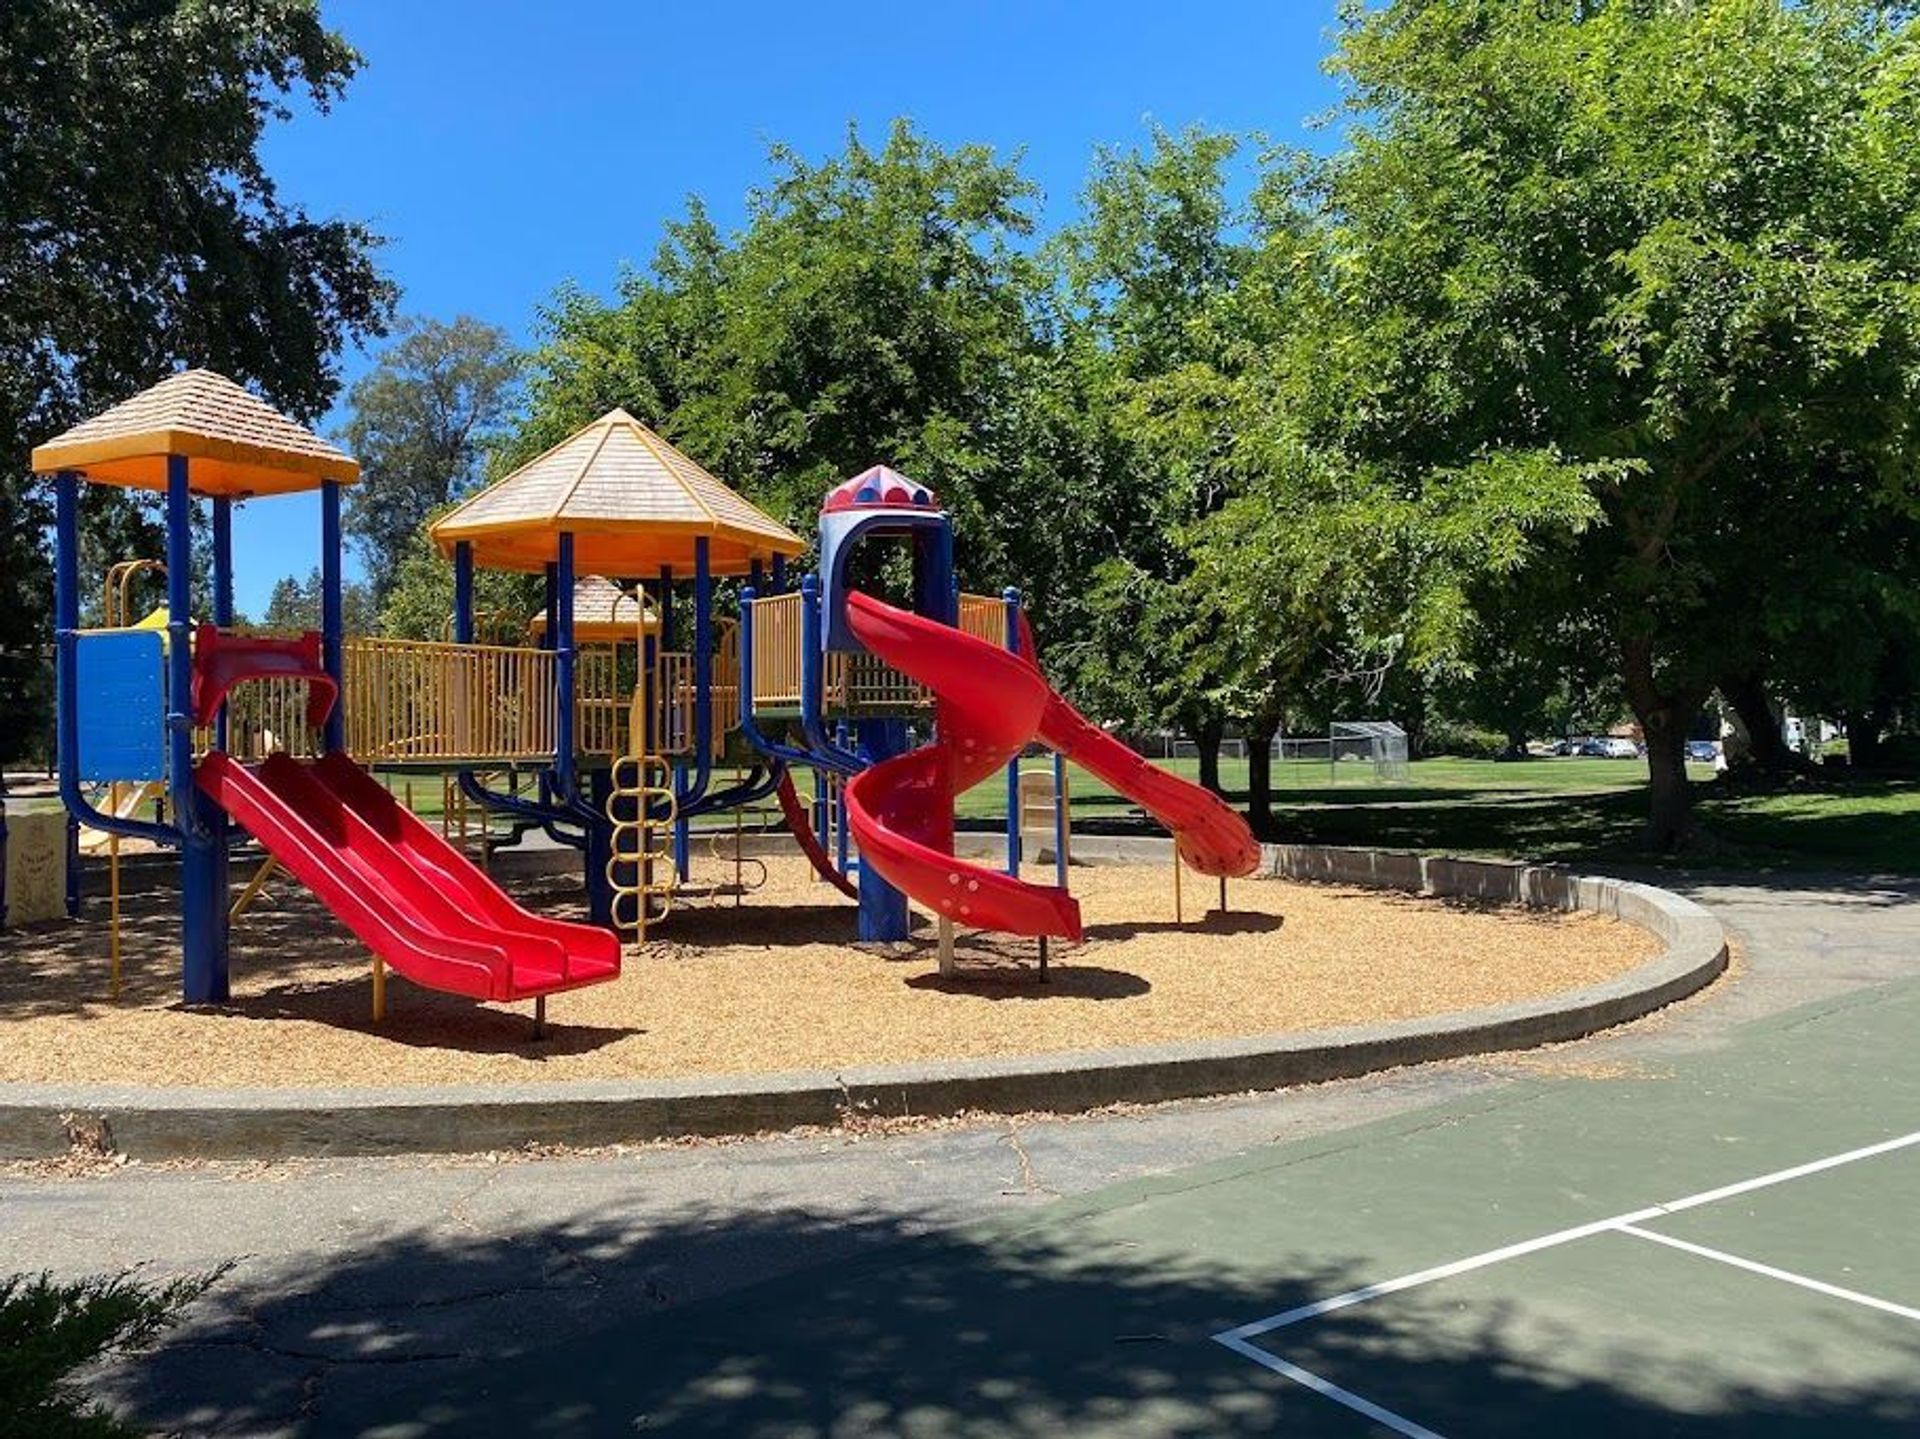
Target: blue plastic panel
[121, 699]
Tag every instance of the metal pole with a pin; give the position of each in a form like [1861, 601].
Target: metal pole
[201, 824]
[1011, 598]
[222, 590]
[331, 621]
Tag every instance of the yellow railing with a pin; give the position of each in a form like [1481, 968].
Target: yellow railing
[726, 685]
[603, 677]
[864, 681]
[777, 629]
[265, 716]
[674, 719]
[984, 617]
[423, 700]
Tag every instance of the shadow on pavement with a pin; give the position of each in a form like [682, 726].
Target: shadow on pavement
[594, 1327]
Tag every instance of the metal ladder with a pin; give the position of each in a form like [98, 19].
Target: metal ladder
[641, 842]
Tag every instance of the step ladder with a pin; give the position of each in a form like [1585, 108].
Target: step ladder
[640, 869]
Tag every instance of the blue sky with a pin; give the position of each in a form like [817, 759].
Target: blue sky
[505, 147]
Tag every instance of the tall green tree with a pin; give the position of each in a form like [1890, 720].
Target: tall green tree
[140, 231]
[295, 603]
[421, 423]
[1147, 281]
[875, 307]
[1654, 259]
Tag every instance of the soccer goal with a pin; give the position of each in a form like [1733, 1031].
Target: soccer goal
[1367, 750]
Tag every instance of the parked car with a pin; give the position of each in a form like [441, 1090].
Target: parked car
[1703, 751]
[1615, 747]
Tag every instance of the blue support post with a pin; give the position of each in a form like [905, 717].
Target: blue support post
[563, 656]
[692, 789]
[463, 592]
[883, 909]
[331, 622]
[1011, 597]
[779, 575]
[222, 590]
[203, 851]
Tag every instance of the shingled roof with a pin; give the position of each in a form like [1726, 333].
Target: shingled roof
[632, 502]
[602, 613]
[235, 442]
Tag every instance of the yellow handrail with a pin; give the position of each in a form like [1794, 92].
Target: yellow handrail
[431, 700]
[776, 649]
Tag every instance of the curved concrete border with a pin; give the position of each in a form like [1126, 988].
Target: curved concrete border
[39, 1121]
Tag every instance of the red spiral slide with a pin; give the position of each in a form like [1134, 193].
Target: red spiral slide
[989, 703]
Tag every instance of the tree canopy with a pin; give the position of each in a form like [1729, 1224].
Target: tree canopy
[421, 423]
[139, 231]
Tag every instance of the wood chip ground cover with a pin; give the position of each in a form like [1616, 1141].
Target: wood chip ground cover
[774, 983]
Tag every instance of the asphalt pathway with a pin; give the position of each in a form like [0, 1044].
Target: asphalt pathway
[1013, 1278]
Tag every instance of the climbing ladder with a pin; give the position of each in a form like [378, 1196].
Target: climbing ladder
[642, 809]
[640, 870]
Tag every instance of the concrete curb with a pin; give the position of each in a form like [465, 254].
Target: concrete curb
[39, 1121]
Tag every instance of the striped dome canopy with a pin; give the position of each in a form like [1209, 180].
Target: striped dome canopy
[879, 488]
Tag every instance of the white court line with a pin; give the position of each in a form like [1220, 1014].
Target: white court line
[1239, 1339]
[1818, 1286]
[1308, 1379]
[1559, 1237]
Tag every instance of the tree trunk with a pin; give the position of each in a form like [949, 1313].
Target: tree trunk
[1669, 792]
[1206, 733]
[1663, 717]
[1747, 694]
[1863, 739]
[1260, 733]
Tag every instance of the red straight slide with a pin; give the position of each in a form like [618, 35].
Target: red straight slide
[989, 703]
[410, 897]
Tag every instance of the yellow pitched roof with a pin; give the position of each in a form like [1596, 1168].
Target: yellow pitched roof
[602, 612]
[632, 502]
[235, 442]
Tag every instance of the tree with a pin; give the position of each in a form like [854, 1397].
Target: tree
[1655, 260]
[1146, 282]
[419, 604]
[875, 308]
[294, 604]
[138, 231]
[421, 425]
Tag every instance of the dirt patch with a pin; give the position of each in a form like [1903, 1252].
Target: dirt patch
[773, 982]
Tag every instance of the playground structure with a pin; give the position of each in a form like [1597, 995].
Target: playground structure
[626, 702]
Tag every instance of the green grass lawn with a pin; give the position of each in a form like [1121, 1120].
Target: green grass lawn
[1559, 809]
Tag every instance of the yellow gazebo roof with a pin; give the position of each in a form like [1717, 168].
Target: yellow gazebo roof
[235, 442]
[603, 613]
[632, 502]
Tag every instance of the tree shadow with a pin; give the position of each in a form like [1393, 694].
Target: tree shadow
[1232, 921]
[421, 1018]
[997, 978]
[593, 1324]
